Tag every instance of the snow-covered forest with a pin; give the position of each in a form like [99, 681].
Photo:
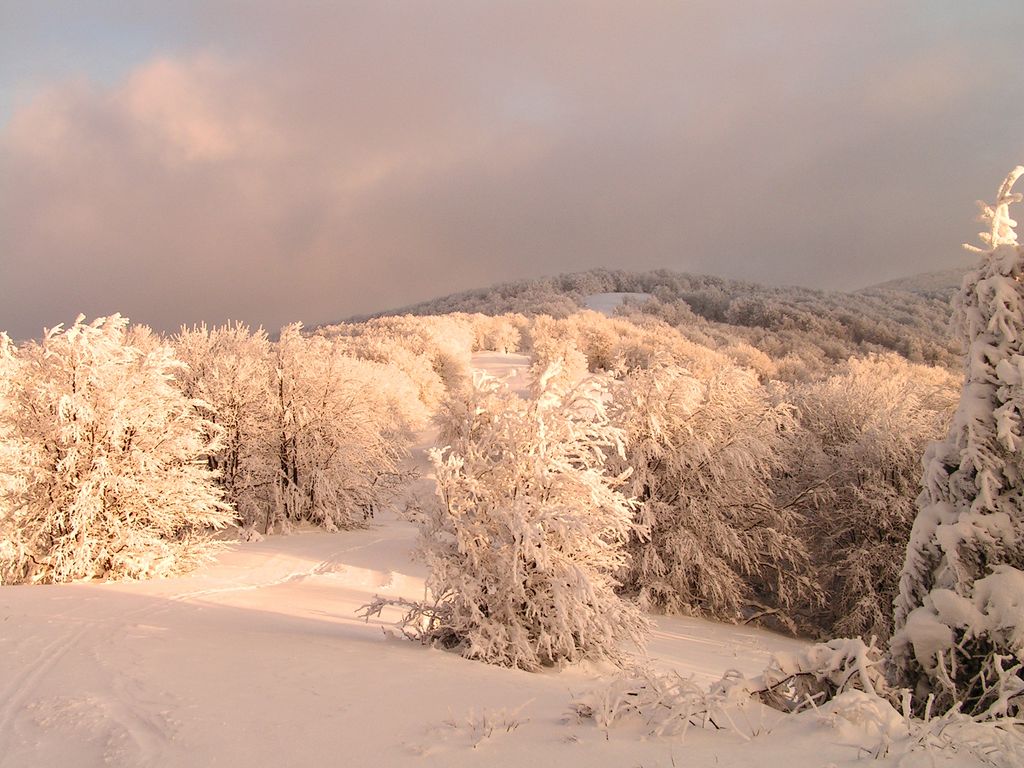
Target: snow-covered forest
[712, 450]
[820, 328]
[736, 461]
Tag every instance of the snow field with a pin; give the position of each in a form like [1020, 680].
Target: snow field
[260, 659]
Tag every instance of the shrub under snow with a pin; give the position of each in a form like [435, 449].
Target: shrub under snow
[525, 543]
[837, 687]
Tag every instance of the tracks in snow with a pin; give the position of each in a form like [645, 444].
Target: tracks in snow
[107, 709]
[329, 565]
[20, 687]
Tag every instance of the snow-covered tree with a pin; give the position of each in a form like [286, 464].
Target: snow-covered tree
[498, 333]
[444, 343]
[380, 346]
[703, 454]
[853, 473]
[616, 344]
[229, 375]
[11, 451]
[110, 478]
[336, 434]
[551, 349]
[525, 543]
[308, 431]
[959, 615]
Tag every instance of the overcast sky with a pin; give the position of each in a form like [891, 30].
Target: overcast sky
[270, 162]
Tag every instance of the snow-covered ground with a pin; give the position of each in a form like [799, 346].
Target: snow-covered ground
[512, 369]
[259, 659]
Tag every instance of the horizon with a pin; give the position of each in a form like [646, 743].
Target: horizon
[273, 333]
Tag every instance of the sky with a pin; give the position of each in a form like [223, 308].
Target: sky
[270, 162]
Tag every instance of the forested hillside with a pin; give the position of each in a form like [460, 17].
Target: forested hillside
[910, 317]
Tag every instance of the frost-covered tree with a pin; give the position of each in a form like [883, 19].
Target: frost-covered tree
[853, 473]
[703, 454]
[229, 376]
[960, 612]
[380, 346]
[109, 479]
[498, 333]
[525, 543]
[11, 450]
[444, 343]
[552, 349]
[615, 344]
[309, 430]
[337, 433]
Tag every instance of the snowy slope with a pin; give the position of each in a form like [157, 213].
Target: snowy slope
[258, 659]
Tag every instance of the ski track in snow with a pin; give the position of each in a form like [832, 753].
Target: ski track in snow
[22, 685]
[329, 565]
[19, 696]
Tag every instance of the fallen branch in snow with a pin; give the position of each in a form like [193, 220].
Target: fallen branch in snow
[422, 622]
[820, 673]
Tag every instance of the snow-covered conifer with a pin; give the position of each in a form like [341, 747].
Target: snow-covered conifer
[959, 615]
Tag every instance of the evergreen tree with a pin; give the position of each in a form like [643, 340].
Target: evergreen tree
[959, 615]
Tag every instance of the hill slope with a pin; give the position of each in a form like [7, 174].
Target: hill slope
[910, 317]
[941, 284]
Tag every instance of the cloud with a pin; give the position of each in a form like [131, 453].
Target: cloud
[347, 158]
